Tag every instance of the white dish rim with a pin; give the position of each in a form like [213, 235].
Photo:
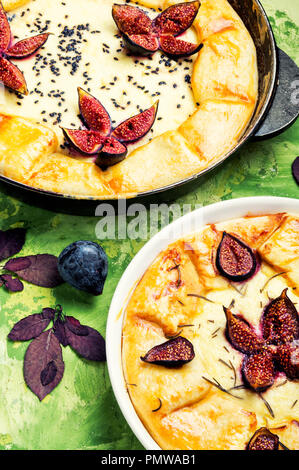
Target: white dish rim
[218, 212]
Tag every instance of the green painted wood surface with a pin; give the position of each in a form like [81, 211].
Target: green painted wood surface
[82, 413]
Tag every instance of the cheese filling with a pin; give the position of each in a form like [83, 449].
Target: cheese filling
[86, 50]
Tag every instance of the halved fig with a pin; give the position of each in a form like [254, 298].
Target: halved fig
[258, 370]
[5, 34]
[28, 46]
[113, 152]
[137, 126]
[176, 19]
[280, 322]
[88, 142]
[287, 357]
[94, 113]
[263, 439]
[131, 20]
[141, 44]
[174, 353]
[177, 48]
[235, 260]
[241, 335]
[12, 77]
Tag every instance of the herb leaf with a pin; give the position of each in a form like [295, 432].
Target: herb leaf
[75, 326]
[90, 346]
[12, 284]
[37, 369]
[11, 242]
[60, 333]
[31, 326]
[40, 270]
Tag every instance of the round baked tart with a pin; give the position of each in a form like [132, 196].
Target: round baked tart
[210, 341]
[207, 94]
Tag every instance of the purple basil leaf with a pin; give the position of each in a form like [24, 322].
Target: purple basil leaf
[90, 347]
[48, 313]
[60, 333]
[295, 170]
[48, 374]
[29, 327]
[40, 270]
[11, 242]
[40, 353]
[12, 284]
[75, 326]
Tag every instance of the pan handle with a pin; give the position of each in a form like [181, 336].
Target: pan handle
[284, 109]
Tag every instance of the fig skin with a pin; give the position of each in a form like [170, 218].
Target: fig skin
[176, 19]
[240, 334]
[5, 33]
[12, 77]
[235, 260]
[93, 113]
[263, 439]
[141, 44]
[258, 370]
[27, 47]
[137, 126]
[87, 142]
[175, 48]
[174, 353]
[112, 153]
[287, 359]
[280, 322]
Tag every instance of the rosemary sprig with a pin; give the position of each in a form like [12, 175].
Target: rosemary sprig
[174, 336]
[267, 405]
[219, 386]
[270, 279]
[294, 404]
[159, 407]
[201, 297]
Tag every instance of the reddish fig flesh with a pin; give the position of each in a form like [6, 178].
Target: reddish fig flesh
[176, 48]
[113, 152]
[241, 335]
[94, 113]
[5, 34]
[176, 19]
[263, 439]
[27, 47]
[287, 357]
[280, 323]
[258, 371]
[137, 126]
[88, 142]
[12, 77]
[235, 260]
[131, 20]
[174, 353]
[141, 44]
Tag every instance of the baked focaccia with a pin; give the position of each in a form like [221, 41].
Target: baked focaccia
[206, 101]
[232, 291]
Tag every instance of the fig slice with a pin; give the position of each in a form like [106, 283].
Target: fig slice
[131, 20]
[28, 46]
[12, 77]
[88, 142]
[137, 126]
[287, 357]
[93, 113]
[280, 322]
[5, 33]
[241, 335]
[235, 260]
[176, 19]
[176, 48]
[174, 353]
[141, 44]
[112, 152]
[263, 439]
[258, 370]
